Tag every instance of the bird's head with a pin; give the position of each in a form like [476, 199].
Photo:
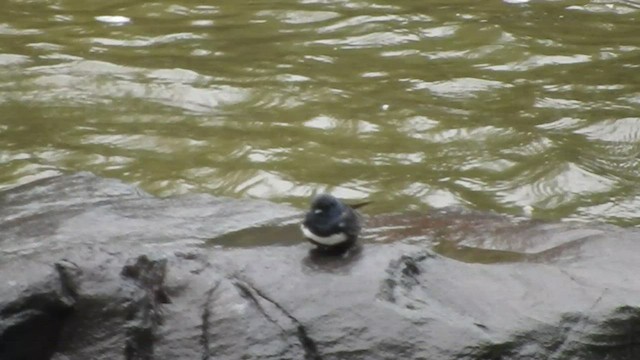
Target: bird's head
[325, 205]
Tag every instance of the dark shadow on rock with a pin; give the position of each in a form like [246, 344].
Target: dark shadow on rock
[32, 334]
[30, 326]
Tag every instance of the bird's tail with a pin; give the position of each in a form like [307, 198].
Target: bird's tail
[359, 205]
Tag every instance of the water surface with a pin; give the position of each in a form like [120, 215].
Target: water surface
[508, 106]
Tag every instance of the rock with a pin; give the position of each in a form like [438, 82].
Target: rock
[95, 269]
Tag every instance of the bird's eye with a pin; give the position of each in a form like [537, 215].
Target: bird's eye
[317, 211]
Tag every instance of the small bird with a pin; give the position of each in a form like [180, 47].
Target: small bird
[331, 224]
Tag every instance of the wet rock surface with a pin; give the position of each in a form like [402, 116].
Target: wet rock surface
[95, 269]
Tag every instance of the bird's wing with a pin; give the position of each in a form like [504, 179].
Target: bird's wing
[349, 222]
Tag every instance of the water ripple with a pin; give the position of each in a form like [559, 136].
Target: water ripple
[372, 40]
[623, 130]
[300, 16]
[13, 59]
[79, 82]
[537, 61]
[557, 186]
[146, 42]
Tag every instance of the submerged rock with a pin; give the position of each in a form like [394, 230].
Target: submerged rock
[95, 269]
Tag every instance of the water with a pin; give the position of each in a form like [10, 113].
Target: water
[509, 106]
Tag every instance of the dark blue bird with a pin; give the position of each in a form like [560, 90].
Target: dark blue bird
[331, 224]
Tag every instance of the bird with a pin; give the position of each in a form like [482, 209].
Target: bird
[331, 224]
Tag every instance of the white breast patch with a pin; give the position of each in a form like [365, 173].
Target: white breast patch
[327, 240]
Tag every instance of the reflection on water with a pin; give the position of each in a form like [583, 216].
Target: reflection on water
[501, 105]
[476, 255]
[286, 233]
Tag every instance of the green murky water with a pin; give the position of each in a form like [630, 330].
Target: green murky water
[510, 106]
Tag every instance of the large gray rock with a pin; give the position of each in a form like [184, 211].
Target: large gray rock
[94, 269]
